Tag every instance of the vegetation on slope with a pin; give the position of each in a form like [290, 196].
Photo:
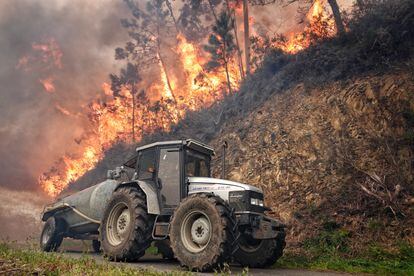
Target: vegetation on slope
[328, 134]
[328, 252]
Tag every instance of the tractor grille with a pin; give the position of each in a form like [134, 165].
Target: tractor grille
[240, 201]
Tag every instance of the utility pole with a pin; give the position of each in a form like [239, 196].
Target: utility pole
[246, 35]
[223, 159]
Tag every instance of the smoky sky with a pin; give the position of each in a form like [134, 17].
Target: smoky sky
[33, 132]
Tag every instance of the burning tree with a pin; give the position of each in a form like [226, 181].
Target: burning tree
[147, 29]
[128, 80]
[339, 24]
[221, 45]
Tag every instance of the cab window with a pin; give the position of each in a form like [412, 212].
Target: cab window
[146, 165]
[197, 164]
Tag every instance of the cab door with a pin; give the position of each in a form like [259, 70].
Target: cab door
[169, 178]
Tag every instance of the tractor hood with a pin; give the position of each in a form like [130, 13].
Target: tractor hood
[220, 184]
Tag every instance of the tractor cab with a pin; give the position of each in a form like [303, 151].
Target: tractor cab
[166, 166]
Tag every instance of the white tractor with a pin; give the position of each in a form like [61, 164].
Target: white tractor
[171, 200]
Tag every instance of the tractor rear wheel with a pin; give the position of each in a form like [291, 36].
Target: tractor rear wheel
[126, 229]
[202, 232]
[259, 253]
[52, 236]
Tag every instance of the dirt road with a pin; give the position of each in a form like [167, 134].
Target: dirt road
[156, 263]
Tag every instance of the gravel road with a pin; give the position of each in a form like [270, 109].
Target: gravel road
[155, 262]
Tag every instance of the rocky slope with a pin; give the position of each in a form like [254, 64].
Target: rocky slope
[339, 156]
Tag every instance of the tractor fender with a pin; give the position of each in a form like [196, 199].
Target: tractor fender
[153, 206]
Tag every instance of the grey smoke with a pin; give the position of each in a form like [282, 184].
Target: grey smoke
[33, 133]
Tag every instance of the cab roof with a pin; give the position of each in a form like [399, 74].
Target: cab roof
[191, 143]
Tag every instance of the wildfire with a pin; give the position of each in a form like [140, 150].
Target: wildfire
[111, 119]
[320, 25]
[193, 88]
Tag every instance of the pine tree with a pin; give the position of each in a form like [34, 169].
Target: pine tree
[129, 79]
[148, 28]
[221, 45]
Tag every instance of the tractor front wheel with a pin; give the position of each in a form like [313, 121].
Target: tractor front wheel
[202, 232]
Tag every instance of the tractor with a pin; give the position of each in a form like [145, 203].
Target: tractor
[166, 196]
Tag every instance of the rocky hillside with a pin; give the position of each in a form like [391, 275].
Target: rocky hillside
[339, 156]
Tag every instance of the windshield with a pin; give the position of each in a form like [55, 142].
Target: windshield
[197, 164]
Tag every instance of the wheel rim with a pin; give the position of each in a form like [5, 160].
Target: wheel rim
[196, 231]
[117, 228]
[47, 233]
[248, 244]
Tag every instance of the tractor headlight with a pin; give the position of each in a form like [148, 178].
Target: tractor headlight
[256, 201]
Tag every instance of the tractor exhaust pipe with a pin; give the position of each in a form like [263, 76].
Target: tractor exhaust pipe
[223, 166]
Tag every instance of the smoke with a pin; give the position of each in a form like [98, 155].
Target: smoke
[20, 214]
[36, 127]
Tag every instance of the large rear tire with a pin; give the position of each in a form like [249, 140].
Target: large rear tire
[259, 253]
[52, 236]
[126, 229]
[202, 232]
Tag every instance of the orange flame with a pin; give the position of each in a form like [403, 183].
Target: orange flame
[112, 120]
[320, 25]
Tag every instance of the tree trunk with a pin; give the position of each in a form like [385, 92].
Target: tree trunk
[164, 68]
[246, 36]
[239, 54]
[337, 16]
[169, 6]
[228, 77]
[133, 92]
[226, 65]
[232, 15]
[212, 9]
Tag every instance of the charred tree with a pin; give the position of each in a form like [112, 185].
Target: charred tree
[339, 23]
[337, 16]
